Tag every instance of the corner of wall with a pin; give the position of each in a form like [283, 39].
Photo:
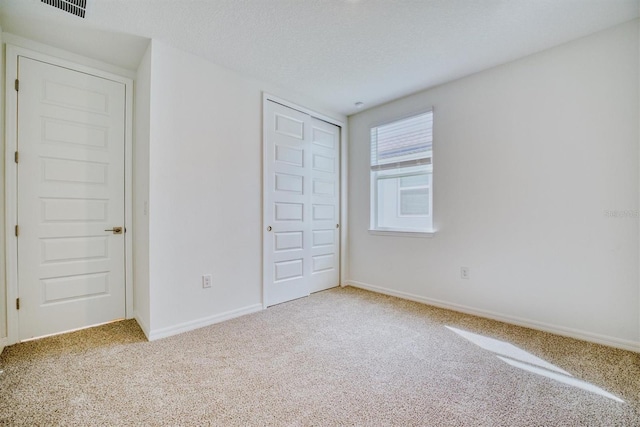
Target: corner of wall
[143, 325]
[142, 135]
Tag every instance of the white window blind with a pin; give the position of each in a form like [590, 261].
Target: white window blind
[403, 143]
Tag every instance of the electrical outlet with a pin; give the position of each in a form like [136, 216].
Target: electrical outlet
[206, 281]
[464, 272]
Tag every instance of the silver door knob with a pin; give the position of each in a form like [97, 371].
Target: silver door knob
[269, 228]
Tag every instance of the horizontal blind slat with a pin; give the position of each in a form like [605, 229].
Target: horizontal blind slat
[403, 140]
[404, 164]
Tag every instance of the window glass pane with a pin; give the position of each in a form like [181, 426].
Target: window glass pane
[414, 201]
[400, 207]
[387, 201]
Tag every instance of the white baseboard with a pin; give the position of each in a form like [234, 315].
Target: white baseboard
[527, 323]
[143, 325]
[3, 344]
[199, 323]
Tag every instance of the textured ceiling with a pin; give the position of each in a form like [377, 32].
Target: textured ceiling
[334, 51]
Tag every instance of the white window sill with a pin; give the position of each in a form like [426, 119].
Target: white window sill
[400, 233]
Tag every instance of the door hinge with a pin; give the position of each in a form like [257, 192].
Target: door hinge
[17, 85]
[17, 231]
[16, 157]
[17, 303]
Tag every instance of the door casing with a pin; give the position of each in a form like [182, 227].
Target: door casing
[266, 97]
[11, 184]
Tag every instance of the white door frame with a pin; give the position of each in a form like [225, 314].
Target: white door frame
[343, 185]
[11, 184]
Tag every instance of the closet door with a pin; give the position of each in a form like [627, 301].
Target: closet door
[325, 205]
[301, 182]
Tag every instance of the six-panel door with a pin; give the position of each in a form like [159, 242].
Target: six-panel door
[301, 200]
[71, 128]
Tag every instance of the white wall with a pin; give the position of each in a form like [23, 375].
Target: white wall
[205, 197]
[140, 230]
[528, 157]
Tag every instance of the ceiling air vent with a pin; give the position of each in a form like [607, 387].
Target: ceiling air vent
[75, 7]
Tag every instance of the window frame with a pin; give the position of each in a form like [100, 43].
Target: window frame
[374, 229]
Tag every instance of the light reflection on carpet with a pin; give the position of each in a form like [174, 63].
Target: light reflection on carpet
[517, 357]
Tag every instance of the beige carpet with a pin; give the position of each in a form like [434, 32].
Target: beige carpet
[340, 357]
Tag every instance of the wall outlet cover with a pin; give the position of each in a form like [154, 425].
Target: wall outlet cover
[207, 279]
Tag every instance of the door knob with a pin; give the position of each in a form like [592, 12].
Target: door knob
[115, 230]
[269, 228]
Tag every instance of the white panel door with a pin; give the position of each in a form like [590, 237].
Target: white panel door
[297, 200]
[71, 131]
[325, 207]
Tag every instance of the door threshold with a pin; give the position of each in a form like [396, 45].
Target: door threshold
[72, 330]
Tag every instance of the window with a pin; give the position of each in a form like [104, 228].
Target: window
[401, 175]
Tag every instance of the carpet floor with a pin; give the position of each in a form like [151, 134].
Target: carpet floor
[340, 357]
